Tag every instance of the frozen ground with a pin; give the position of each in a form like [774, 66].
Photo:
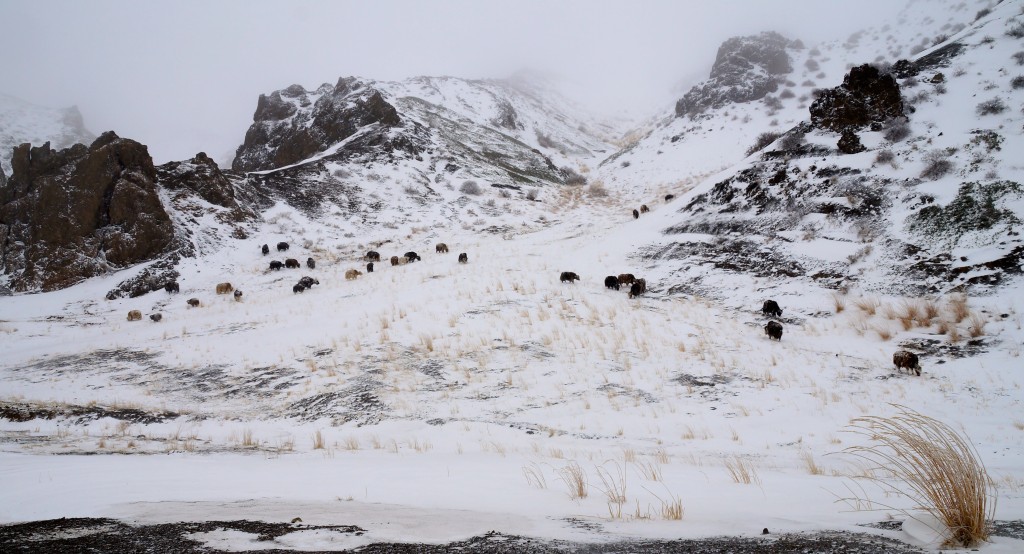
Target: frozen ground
[437, 401]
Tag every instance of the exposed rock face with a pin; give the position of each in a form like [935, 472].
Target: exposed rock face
[291, 125]
[201, 176]
[3, 177]
[866, 97]
[71, 214]
[746, 69]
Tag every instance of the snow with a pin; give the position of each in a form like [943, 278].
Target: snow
[490, 379]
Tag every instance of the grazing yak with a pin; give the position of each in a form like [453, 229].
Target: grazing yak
[611, 282]
[282, 246]
[172, 287]
[369, 267]
[298, 288]
[441, 248]
[224, 288]
[412, 256]
[626, 279]
[771, 309]
[265, 249]
[636, 214]
[774, 330]
[569, 276]
[308, 282]
[134, 315]
[156, 317]
[352, 274]
[638, 287]
[192, 302]
[238, 296]
[669, 197]
[276, 265]
[644, 209]
[394, 260]
[310, 263]
[372, 256]
[292, 263]
[463, 258]
[903, 359]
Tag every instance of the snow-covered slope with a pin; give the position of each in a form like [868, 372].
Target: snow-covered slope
[672, 153]
[22, 122]
[437, 400]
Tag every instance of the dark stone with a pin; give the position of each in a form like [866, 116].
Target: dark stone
[746, 69]
[849, 142]
[865, 97]
[201, 176]
[104, 197]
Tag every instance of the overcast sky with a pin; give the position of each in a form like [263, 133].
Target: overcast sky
[184, 76]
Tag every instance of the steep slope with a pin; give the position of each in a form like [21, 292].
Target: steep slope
[384, 159]
[22, 122]
[860, 197]
[751, 95]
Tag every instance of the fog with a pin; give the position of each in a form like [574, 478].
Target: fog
[184, 76]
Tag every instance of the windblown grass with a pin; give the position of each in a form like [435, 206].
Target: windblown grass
[923, 459]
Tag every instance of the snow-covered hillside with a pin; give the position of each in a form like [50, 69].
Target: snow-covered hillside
[22, 122]
[435, 400]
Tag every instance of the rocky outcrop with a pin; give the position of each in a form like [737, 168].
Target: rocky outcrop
[867, 97]
[746, 69]
[71, 214]
[200, 175]
[293, 124]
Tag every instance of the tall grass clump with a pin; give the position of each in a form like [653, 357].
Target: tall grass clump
[928, 462]
[575, 478]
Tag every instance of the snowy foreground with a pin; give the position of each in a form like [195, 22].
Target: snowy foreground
[436, 401]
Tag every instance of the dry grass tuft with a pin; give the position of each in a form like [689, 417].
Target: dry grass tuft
[318, 440]
[934, 466]
[535, 476]
[976, 325]
[867, 305]
[742, 471]
[957, 306]
[575, 478]
[884, 332]
[838, 302]
[650, 470]
[812, 467]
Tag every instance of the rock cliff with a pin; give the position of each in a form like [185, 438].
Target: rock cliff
[71, 214]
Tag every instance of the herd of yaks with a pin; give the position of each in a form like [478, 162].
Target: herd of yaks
[902, 359]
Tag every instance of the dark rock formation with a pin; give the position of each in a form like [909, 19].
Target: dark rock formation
[866, 97]
[849, 143]
[3, 177]
[201, 176]
[291, 125]
[746, 69]
[942, 57]
[71, 214]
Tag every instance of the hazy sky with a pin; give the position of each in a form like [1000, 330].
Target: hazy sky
[184, 76]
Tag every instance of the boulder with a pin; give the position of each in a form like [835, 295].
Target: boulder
[849, 142]
[866, 97]
[103, 196]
